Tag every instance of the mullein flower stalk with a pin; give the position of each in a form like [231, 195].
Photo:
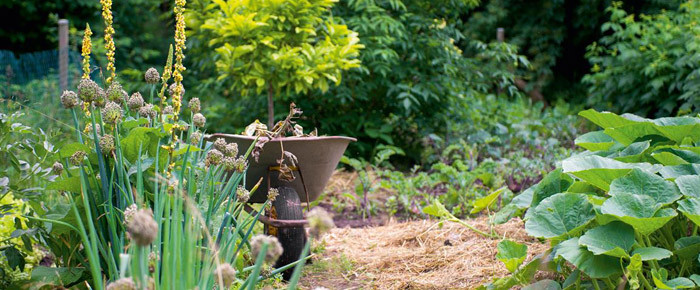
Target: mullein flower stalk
[109, 38]
[86, 49]
[167, 73]
[178, 68]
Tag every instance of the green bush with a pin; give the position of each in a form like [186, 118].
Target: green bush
[416, 64]
[647, 64]
[626, 211]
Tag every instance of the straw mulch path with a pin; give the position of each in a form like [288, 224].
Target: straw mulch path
[416, 255]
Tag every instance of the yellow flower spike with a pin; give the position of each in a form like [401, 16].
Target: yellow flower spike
[109, 39]
[167, 71]
[178, 68]
[86, 49]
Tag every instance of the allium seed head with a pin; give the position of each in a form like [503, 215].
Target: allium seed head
[69, 99]
[57, 168]
[320, 222]
[227, 274]
[242, 194]
[112, 113]
[274, 248]
[100, 98]
[135, 101]
[229, 163]
[231, 150]
[241, 164]
[77, 158]
[195, 137]
[122, 284]
[115, 92]
[168, 110]
[107, 144]
[220, 144]
[214, 157]
[147, 111]
[88, 90]
[195, 105]
[152, 76]
[142, 227]
[272, 194]
[199, 120]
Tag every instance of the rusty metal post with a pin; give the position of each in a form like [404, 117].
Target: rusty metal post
[63, 54]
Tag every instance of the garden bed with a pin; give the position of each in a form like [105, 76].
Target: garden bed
[413, 255]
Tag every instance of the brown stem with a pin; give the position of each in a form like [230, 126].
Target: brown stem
[270, 108]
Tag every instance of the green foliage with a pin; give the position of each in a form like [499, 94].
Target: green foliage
[553, 35]
[618, 221]
[512, 254]
[647, 64]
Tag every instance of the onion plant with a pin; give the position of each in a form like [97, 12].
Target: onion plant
[156, 205]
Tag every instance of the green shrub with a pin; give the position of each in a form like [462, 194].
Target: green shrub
[623, 212]
[647, 64]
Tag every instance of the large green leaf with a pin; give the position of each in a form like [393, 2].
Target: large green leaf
[668, 158]
[560, 215]
[601, 171]
[512, 254]
[614, 239]
[689, 185]
[640, 182]
[595, 141]
[652, 253]
[640, 211]
[691, 209]
[605, 119]
[676, 171]
[69, 184]
[55, 276]
[553, 183]
[634, 152]
[687, 248]
[67, 150]
[595, 266]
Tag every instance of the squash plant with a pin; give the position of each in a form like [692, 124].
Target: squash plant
[276, 45]
[624, 213]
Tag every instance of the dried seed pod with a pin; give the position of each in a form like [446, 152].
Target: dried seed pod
[107, 144]
[122, 284]
[195, 105]
[227, 274]
[214, 157]
[320, 222]
[152, 76]
[199, 120]
[274, 248]
[69, 99]
[112, 113]
[77, 158]
[135, 101]
[142, 228]
[57, 168]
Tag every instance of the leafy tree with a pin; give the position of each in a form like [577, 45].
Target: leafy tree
[649, 64]
[278, 45]
[553, 34]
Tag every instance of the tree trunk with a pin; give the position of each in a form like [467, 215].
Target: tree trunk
[270, 108]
